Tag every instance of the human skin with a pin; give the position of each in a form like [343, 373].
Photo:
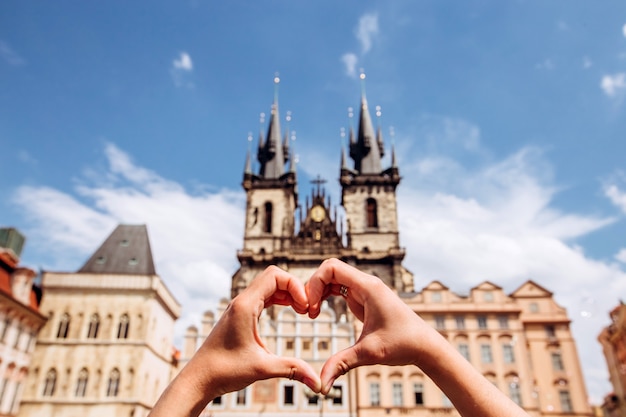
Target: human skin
[233, 355]
[393, 334]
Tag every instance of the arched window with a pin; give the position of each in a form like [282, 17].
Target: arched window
[50, 383]
[372, 213]
[94, 325]
[64, 326]
[114, 383]
[267, 225]
[122, 328]
[81, 383]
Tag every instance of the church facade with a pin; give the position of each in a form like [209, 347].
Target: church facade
[520, 341]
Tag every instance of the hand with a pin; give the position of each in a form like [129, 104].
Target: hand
[233, 355]
[391, 330]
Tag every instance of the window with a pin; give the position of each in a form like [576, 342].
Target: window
[306, 344]
[288, 395]
[503, 321]
[267, 225]
[374, 393]
[550, 331]
[16, 342]
[241, 397]
[397, 399]
[418, 393]
[64, 326]
[5, 329]
[488, 297]
[557, 361]
[3, 386]
[337, 395]
[289, 344]
[114, 383]
[514, 392]
[566, 401]
[81, 383]
[372, 214]
[122, 328]
[435, 297]
[485, 353]
[440, 322]
[313, 399]
[460, 322]
[482, 322]
[101, 260]
[322, 345]
[533, 307]
[508, 354]
[217, 401]
[464, 351]
[49, 383]
[94, 325]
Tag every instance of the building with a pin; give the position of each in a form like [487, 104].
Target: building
[521, 342]
[613, 341]
[20, 320]
[107, 348]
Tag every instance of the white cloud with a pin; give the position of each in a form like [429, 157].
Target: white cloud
[181, 70]
[193, 237]
[9, 55]
[621, 256]
[366, 30]
[546, 64]
[350, 60]
[587, 62]
[614, 85]
[183, 62]
[624, 30]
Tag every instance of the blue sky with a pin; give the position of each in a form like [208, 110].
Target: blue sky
[508, 118]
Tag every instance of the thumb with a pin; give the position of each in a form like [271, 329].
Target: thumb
[338, 364]
[295, 369]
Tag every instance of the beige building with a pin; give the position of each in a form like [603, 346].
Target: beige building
[20, 320]
[521, 341]
[107, 348]
[613, 341]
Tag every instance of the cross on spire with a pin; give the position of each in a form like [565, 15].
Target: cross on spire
[318, 183]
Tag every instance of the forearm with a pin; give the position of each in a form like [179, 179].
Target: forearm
[185, 396]
[470, 392]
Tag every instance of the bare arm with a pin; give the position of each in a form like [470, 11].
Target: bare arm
[233, 355]
[394, 335]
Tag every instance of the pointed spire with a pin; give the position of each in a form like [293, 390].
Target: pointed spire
[392, 133]
[365, 152]
[379, 133]
[271, 154]
[248, 168]
[286, 138]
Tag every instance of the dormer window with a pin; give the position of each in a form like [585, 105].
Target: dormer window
[101, 260]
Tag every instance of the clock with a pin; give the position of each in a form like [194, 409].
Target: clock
[318, 213]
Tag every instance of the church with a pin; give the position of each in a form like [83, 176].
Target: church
[521, 341]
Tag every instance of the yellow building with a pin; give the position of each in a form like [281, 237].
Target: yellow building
[521, 341]
[107, 348]
[613, 341]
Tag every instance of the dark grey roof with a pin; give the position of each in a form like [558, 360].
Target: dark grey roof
[125, 251]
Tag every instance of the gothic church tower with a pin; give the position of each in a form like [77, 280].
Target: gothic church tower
[368, 195]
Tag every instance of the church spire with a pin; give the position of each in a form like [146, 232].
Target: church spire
[271, 154]
[365, 151]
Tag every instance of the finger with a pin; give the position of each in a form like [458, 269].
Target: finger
[334, 273]
[276, 286]
[337, 365]
[294, 369]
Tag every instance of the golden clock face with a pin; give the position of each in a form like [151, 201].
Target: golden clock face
[318, 213]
